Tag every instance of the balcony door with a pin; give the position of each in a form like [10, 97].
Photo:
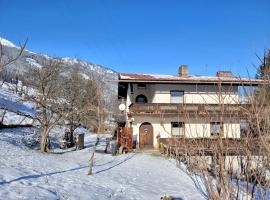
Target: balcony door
[146, 135]
[177, 96]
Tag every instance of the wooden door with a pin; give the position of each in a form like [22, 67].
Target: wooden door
[146, 135]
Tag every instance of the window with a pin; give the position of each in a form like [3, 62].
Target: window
[141, 99]
[177, 96]
[141, 85]
[178, 128]
[215, 128]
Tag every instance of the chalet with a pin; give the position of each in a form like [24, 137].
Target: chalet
[165, 106]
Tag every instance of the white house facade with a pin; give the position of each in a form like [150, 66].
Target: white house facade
[164, 106]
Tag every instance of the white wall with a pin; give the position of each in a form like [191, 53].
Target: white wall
[193, 127]
[204, 94]
[160, 93]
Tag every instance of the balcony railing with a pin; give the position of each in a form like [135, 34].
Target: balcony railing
[171, 108]
[211, 146]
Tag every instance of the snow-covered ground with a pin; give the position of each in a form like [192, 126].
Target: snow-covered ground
[28, 174]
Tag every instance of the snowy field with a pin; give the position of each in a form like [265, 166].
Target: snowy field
[28, 174]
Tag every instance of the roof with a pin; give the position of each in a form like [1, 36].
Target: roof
[155, 78]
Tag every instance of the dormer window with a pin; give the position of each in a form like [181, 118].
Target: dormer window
[141, 86]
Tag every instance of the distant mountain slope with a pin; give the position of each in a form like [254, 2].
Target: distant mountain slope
[105, 76]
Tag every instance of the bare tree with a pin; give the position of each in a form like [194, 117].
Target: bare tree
[45, 95]
[100, 116]
[80, 106]
[5, 62]
[90, 104]
[228, 167]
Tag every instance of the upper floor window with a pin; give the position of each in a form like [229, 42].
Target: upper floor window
[215, 128]
[141, 85]
[177, 96]
[141, 99]
[178, 128]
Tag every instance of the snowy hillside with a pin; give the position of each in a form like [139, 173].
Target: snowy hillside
[13, 110]
[107, 77]
[5, 42]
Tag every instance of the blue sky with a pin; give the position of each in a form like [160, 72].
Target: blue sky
[144, 36]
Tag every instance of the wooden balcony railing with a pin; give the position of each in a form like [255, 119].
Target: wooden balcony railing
[212, 146]
[170, 108]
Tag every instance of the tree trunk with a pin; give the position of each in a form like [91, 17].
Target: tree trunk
[71, 138]
[3, 117]
[44, 140]
[90, 171]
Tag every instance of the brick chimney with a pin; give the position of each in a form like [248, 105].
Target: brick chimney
[183, 71]
[227, 74]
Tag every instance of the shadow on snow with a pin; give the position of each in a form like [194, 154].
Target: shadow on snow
[35, 176]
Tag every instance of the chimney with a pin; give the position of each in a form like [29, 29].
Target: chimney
[227, 74]
[183, 71]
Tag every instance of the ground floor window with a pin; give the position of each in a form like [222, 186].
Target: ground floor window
[216, 129]
[178, 128]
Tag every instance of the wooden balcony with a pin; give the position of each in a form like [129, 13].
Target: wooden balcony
[212, 146]
[184, 109]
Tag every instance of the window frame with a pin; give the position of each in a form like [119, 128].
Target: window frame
[180, 97]
[216, 133]
[141, 96]
[181, 127]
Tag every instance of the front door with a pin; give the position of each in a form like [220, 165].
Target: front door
[146, 135]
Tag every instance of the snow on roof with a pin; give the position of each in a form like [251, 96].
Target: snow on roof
[129, 77]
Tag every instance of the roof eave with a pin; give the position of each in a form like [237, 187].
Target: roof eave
[253, 83]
